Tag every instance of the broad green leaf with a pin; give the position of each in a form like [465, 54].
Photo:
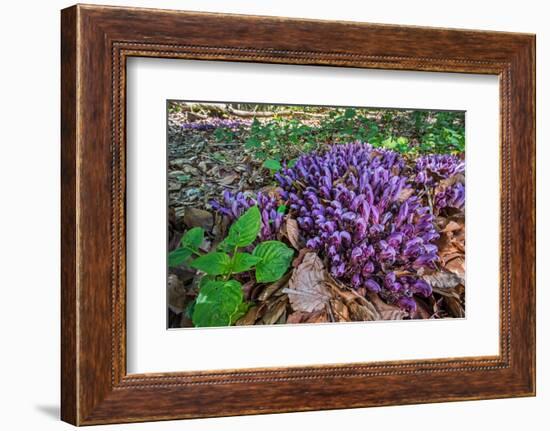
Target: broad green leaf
[178, 256]
[217, 303]
[243, 262]
[281, 209]
[276, 258]
[245, 229]
[273, 165]
[240, 312]
[216, 263]
[224, 246]
[193, 238]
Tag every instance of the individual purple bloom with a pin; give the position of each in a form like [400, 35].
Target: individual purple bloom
[372, 285]
[406, 303]
[422, 288]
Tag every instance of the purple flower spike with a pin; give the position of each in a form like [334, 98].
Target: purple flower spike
[234, 205]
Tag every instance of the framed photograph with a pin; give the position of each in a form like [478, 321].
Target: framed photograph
[330, 214]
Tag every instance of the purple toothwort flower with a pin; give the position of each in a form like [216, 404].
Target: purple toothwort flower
[432, 169]
[234, 205]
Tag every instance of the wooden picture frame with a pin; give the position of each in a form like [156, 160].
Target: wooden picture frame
[95, 43]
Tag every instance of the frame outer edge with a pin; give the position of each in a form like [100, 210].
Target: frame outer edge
[88, 396]
[69, 196]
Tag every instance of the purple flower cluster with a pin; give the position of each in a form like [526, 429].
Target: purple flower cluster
[234, 205]
[215, 123]
[349, 207]
[450, 197]
[433, 168]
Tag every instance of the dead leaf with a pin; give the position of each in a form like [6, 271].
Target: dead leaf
[196, 217]
[339, 311]
[405, 194]
[454, 305]
[386, 311]
[307, 287]
[270, 289]
[456, 266]
[176, 294]
[292, 232]
[297, 317]
[318, 317]
[452, 226]
[228, 179]
[250, 317]
[299, 259]
[274, 312]
[363, 313]
[457, 178]
[443, 279]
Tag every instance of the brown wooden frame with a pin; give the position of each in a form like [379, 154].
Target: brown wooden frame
[95, 43]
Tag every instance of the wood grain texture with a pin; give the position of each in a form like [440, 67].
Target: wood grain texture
[96, 41]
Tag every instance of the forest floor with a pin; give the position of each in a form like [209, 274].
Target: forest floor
[201, 167]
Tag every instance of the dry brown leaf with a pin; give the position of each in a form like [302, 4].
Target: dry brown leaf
[176, 294]
[363, 313]
[443, 280]
[196, 217]
[339, 311]
[298, 259]
[270, 289]
[249, 318]
[297, 317]
[452, 226]
[421, 311]
[274, 312]
[454, 305]
[308, 290]
[317, 317]
[386, 311]
[405, 194]
[456, 266]
[447, 182]
[292, 232]
[228, 179]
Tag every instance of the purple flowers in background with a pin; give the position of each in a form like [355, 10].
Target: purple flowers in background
[216, 123]
[234, 205]
[349, 207]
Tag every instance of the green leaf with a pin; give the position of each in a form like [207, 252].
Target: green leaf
[193, 238]
[218, 303]
[245, 229]
[178, 256]
[292, 162]
[184, 178]
[276, 258]
[216, 263]
[281, 209]
[273, 165]
[240, 312]
[243, 262]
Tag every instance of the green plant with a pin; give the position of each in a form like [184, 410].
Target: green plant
[220, 301]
